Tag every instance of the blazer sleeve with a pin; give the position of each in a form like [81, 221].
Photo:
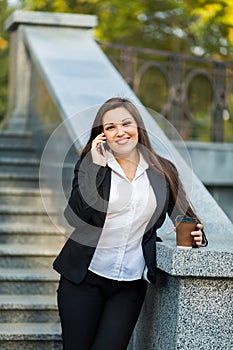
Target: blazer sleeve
[84, 197]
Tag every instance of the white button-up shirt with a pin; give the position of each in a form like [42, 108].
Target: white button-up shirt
[119, 255]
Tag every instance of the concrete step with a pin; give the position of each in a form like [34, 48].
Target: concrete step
[19, 165]
[28, 308]
[26, 214]
[15, 134]
[19, 150]
[16, 142]
[29, 243]
[28, 281]
[9, 137]
[30, 196]
[13, 179]
[27, 255]
[30, 336]
[36, 234]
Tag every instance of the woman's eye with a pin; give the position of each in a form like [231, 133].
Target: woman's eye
[111, 127]
[127, 123]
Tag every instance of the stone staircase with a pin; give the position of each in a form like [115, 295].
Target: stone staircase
[29, 243]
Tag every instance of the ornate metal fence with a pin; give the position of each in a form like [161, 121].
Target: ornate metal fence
[194, 94]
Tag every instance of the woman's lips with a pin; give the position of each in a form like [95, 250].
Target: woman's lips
[122, 141]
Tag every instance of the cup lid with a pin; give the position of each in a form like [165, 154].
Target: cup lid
[184, 218]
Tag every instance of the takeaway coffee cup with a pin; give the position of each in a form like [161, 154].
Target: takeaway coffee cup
[184, 226]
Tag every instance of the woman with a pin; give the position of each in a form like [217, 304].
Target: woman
[121, 193]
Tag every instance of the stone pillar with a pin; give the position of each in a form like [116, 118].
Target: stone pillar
[19, 82]
[20, 62]
[191, 305]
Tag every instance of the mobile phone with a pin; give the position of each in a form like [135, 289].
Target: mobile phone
[102, 149]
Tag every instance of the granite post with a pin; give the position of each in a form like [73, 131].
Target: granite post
[191, 305]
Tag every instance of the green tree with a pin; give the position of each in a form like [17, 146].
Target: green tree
[146, 23]
[211, 28]
[200, 27]
[4, 53]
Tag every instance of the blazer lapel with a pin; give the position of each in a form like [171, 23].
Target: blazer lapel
[160, 188]
[103, 183]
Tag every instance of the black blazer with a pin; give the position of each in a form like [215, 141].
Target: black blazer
[86, 211]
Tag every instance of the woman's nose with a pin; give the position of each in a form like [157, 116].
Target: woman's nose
[120, 130]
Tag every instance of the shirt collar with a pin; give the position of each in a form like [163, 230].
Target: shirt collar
[115, 166]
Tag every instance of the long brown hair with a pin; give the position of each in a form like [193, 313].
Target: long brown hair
[178, 200]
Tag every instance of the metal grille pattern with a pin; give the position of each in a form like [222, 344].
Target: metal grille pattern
[194, 94]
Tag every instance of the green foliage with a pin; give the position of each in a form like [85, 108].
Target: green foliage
[145, 23]
[4, 53]
[200, 27]
[212, 26]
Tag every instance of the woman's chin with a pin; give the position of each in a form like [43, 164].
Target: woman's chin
[123, 151]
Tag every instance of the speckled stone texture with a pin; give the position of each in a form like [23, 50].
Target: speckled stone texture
[205, 314]
[211, 261]
[191, 305]
[186, 313]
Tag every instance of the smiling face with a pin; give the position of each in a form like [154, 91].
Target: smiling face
[121, 131]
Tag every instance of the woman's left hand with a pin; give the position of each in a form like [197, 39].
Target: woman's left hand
[197, 235]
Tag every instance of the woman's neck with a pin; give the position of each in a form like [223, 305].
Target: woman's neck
[132, 157]
[129, 164]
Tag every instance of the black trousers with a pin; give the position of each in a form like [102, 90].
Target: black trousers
[99, 313]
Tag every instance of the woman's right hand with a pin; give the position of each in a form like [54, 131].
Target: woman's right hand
[97, 150]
